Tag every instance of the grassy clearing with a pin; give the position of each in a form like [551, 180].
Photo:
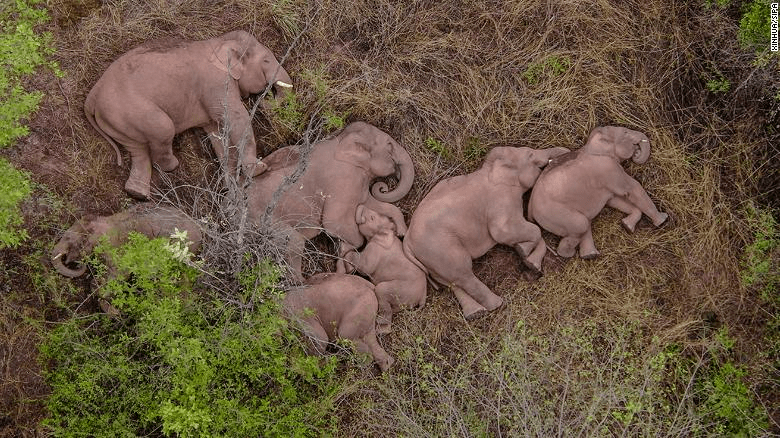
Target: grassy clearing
[661, 336]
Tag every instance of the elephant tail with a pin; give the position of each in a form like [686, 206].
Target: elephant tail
[410, 255]
[89, 111]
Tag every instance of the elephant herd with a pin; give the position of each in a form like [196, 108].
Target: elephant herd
[156, 91]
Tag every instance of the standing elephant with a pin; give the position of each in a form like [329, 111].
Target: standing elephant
[146, 218]
[338, 306]
[152, 93]
[399, 282]
[465, 216]
[335, 181]
[571, 192]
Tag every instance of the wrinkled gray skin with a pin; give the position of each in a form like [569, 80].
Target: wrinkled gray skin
[158, 90]
[337, 306]
[465, 216]
[336, 180]
[145, 218]
[400, 284]
[577, 186]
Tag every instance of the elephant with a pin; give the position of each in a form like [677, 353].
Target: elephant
[335, 181]
[332, 306]
[146, 218]
[575, 188]
[463, 217]
[158, 90]
[398, 282]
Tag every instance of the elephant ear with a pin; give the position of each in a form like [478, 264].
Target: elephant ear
[503, 169]
[354, 152]
[227, 57]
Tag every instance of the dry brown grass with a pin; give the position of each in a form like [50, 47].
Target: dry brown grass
[454, 72]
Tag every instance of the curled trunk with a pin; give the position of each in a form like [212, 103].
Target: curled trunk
[59, 264]
[404, 173]
[643, 153]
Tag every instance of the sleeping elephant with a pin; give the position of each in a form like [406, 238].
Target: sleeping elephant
[399, 283]
[465, 216]
[158, 90]
[148, 219]
[576, 187]
[338, 306]
[336, 180]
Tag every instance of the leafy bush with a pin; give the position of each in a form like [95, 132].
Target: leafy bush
[754, 27]
[14, 187]
[22, 50]
[180, 363]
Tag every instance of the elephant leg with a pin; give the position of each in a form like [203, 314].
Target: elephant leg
[218, 144]
[384, 295]
[138, 184]
[588, 249]
[529, 245]
[370, 344]
[471, 309]
[634, 214]
[293, 251]
[160, 131]
[317, 338]
[575, 228]
[456, 270]
[567, 246]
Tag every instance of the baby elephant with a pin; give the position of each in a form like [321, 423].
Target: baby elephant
[399, 282]
[147, 218]
[573, 189]
[332, 306]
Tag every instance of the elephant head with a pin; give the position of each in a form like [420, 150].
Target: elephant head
[250, 63]
[70, 249]
[373, 150]
[372, 224]
[620, 143]
[518, 166]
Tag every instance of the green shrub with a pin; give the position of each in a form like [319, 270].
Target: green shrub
[14, 187]
[182, 363]
[438, 147]
[22, 50]
[754, 27]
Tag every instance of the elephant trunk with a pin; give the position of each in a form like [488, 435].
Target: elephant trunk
[281, 82]
[58, 260]
[404, 173]
[643, 151]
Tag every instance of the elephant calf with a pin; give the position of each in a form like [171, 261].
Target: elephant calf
[332, 306]
[146, 218]
[570, 193]
[465, 216]
[399, 282]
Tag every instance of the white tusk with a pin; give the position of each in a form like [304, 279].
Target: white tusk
[57, 256]
[283, 84]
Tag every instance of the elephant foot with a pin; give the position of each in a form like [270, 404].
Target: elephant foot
[383, 329]
[475, 313]
[627, 225]
[137, 190]
[536, 269]
[168, 164]
[108, 308]
[662, 217]
[566, 253]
